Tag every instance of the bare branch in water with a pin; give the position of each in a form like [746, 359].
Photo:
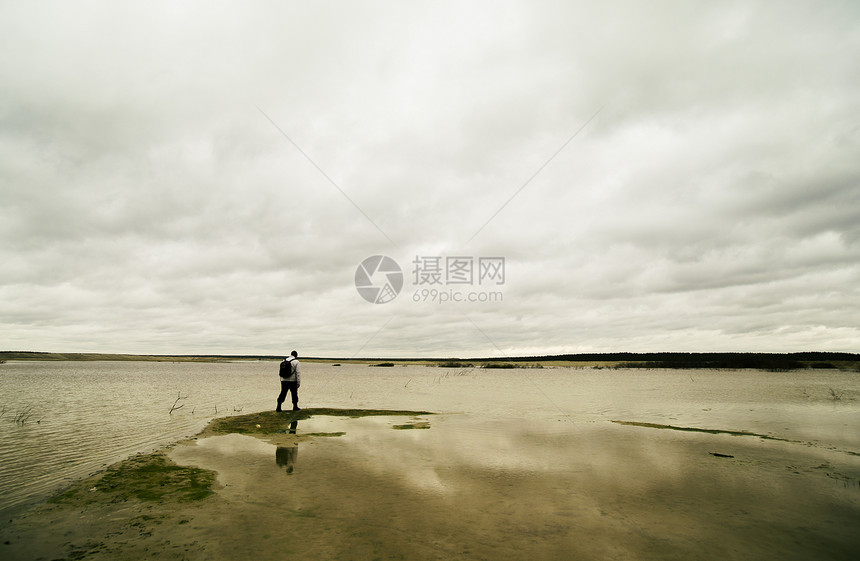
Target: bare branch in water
[174, 407]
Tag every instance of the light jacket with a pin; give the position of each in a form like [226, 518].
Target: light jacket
[297, 371]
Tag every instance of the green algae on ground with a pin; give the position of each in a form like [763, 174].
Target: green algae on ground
[728, 432]
[145, 477]
[268, 422]
[694, 429]
[706, 431]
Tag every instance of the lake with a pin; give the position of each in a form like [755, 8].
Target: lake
[82, 416]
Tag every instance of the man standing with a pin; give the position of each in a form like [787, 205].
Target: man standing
[291, 379]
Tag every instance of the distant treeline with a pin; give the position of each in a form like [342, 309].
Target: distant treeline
[764, 361]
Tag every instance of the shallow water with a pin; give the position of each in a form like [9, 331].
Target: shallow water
[86, 415]
[470, 487]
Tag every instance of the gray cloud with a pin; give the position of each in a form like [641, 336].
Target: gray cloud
[146, 205]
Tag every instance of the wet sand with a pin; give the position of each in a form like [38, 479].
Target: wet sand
[461, 487]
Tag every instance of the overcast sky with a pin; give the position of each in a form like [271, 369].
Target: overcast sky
[206, 177]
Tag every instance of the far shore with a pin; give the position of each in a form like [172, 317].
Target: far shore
[758, 361]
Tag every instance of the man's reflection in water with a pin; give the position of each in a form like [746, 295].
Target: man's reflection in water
[285, 456]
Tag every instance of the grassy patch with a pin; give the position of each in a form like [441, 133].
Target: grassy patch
[149, 477]
[455, 364]
[268, 422]
[511, 365]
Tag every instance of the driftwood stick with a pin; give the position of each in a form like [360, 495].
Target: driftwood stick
[174, 407]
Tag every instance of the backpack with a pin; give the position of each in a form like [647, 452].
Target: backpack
[287, 368]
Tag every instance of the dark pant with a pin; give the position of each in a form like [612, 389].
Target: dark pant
[292, 387]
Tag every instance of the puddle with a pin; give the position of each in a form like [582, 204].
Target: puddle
[507, 489]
